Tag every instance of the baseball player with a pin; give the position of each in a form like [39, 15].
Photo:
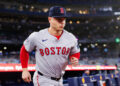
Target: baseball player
[53, 46]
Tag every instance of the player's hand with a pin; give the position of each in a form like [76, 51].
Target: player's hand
[74, 61]
[26, 76]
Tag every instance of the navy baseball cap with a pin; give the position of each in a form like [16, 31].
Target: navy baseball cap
[57, 11]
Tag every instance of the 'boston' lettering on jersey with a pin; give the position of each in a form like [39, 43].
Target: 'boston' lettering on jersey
[54, 50]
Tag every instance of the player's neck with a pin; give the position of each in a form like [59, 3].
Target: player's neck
[54, 32]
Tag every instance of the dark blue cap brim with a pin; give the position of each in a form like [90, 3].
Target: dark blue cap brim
[59, 16]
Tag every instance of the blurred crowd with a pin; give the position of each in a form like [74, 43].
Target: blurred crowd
[14, 58]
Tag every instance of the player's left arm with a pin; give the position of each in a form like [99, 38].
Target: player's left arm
[75, 53]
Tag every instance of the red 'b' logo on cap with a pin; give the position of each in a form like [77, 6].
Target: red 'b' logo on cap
[61, 10]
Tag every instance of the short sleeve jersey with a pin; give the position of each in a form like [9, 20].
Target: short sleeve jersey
[51, 54]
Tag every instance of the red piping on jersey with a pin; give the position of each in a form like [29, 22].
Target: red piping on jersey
[38, 80]
[24, 57]
[76, 55]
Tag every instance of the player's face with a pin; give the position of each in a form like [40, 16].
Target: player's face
[57, 23]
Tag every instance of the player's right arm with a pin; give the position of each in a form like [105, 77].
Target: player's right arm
[28, 46]
[24, 57]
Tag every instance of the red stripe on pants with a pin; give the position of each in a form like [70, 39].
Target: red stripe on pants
[38, 80]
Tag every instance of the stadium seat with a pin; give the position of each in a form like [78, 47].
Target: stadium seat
[73, 81]
[85, 81]
[108, 82]
[117, 81]
[66, 85]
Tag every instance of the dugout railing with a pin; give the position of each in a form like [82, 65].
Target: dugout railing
[95, 80]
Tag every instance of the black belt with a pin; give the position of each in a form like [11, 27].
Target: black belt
[53, 78]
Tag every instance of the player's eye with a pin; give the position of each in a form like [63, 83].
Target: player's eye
[60, 19]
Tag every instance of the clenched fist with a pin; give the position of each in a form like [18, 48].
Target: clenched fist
[74, 61]
[26, 75]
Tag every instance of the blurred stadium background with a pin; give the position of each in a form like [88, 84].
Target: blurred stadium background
[95, 23]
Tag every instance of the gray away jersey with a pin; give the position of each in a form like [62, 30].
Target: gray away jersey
[51, 54]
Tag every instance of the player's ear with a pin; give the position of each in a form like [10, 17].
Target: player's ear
[49, 18]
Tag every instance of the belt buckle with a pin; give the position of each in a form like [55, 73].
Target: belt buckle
[57, 79]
